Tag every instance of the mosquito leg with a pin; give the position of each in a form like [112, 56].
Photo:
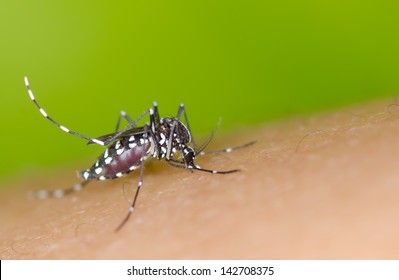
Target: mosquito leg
[58, 193]
[196, 167]
[140, 183]
[182, 110]
[181, 164]
[125, 116]
[63, 128]
[156, 113]
[132, 123]
[227, 150]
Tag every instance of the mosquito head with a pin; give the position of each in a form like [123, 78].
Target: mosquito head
[188, 156]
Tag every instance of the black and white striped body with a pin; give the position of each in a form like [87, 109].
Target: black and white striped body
[121, 158]
[166, 139]
[127, 153]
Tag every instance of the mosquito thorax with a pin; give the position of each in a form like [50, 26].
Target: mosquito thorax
[181, 136]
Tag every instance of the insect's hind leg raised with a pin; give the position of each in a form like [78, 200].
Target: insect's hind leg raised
[57, 193]
[63, 128]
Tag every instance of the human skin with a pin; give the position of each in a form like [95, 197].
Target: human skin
[319, 187]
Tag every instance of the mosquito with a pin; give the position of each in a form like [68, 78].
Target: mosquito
[166, 138]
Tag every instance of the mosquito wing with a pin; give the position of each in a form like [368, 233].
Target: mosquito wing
[105, 138]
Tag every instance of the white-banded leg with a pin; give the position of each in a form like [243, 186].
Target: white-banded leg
[109, 138]
[181, 164]
[196, 167]
[139, 184]
[58, 193]
[172, 132]
[227, 150]
[180, 111]
[188, 162]
[131, 123]
[183, 110]
[124, 115]
[156, 112]
[154, 119]
[63, 128]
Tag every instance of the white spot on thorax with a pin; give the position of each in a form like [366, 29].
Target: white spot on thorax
[163, 139]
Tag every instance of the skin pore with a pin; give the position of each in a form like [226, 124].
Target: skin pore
[319, 187]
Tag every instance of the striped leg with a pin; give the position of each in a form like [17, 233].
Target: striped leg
[63, 128]
[58, 193]
[181, 164]
[139, 184]
[227, 150]
[132, 123]
[180, 111]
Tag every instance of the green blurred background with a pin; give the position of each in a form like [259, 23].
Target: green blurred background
[247, 61]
